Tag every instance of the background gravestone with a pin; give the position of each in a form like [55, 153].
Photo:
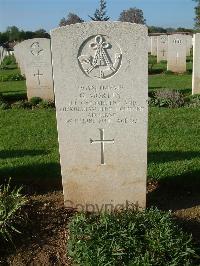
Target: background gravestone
[18, 53]
[36, 58]
[100, 77]
[154, 45]
[162, 47]
[196, 65]
[176, 59]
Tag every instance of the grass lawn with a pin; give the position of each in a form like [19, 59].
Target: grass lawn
[13, 90]
[174, 143]
[29, 146]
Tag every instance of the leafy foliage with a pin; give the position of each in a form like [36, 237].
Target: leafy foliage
[7, 61]
[167, 98]
[71, 19]
[133, 15]
[197, 14]
[11, 202]
[100, 13]
[193, 101]
[129, 237]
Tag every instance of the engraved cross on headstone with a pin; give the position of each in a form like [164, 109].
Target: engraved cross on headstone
[38, 76]
[163, 52]
[102, 141]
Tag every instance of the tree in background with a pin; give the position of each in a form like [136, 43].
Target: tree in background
[13, 34]
[133, 15]
[71, 19]
[197, 13]
[154, 29]
[100, 13]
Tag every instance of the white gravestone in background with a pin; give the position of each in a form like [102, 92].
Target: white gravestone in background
[162, 47]
[176, 59]
[100, 77]
[38, 68]
[196, 65]
[154, 45]
[18, 53]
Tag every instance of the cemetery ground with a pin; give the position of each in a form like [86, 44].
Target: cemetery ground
[29, 155]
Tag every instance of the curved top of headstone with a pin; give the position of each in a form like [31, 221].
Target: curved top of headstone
[101, 25]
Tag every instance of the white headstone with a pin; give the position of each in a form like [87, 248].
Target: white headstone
[154, 45]
[37, 64]
[100, 75]
[196, 65]
[176, 59]
[162, 47]
[19, 53]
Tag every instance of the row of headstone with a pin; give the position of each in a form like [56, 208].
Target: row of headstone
[173, 48]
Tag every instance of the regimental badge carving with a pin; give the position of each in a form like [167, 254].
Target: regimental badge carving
[177, 41]
[163, 39]
[36, 50]
[99, 57]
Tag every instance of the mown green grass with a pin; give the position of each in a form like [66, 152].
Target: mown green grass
[13, 90]
[160, 80]
[174, 143]
[29, 146]
[9, 71]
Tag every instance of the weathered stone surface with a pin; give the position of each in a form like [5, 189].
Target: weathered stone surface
[176, 60]
[162, 47]
[36, 59]
[100, 76]
[196, 65]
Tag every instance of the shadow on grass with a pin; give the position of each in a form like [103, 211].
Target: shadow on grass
[177, 192]
[35, 178]
[181, 194]
[168, 156]
[5, 154]
[16, 96]
[155, 71]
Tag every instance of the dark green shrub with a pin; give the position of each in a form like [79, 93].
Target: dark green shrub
[168, 72]
[35, 101]
[7, 61]
[4, 105]
[21, 105]
[193, 101]
[167, 98]
[44, 104]
[129, 238]
[11, 202]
